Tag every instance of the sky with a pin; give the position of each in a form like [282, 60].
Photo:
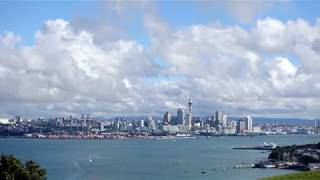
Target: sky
[120, 58]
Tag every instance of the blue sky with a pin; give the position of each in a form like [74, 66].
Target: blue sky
[26, 17]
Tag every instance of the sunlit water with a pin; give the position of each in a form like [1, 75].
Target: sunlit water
[149, 159]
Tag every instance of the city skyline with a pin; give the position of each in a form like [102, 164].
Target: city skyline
[119, 58]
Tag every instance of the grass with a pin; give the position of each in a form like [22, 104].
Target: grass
[309, 175]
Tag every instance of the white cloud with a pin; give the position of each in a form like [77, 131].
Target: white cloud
[270, 68]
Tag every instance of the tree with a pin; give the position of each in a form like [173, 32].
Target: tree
[11, 168]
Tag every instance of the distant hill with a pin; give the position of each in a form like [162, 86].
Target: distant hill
[277, 121]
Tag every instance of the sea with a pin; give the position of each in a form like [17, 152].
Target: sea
[139, 159]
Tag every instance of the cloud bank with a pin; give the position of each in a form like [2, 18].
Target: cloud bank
[269, 69]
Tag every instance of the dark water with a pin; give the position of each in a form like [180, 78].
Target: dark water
[149, 159]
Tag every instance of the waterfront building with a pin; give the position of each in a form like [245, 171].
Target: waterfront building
[5, 121]
[256, 129]
[241, 126]
[167, 117]
[171, 128]
[228, 131]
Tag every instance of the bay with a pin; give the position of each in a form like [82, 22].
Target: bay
[149, 159]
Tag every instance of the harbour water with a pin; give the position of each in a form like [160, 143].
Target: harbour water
[149, 159]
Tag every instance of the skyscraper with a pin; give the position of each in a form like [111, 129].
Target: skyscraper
[219, 117]
[101, 126]
[245, 125]
[241, 126]
[141, 123]
[180, 116]
[248, 120]
[167, 117]
[224, 121]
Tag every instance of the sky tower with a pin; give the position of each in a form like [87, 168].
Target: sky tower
[189, 115]
[190, 103]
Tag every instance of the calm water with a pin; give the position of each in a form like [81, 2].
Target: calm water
[149, 159]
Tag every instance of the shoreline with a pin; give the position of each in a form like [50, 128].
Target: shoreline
[119, 137]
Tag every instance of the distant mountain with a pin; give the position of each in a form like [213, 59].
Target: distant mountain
[289, 121]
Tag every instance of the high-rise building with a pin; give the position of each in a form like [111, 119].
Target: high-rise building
[219, 117]
[224, 121]
[117, 124]
[180, 116]
[152, 125]
[248, 120]
[83, 120]
[101, 126]
[167, 117]
[241, 126]
[141, 123]
[245, 125]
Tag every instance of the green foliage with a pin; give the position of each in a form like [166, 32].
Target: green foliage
[12, 169]
[310, 175]
[290, 153]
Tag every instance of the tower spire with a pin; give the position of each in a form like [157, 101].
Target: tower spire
[189, 115]
[190, 103]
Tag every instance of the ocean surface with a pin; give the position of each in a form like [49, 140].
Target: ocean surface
[149, 159]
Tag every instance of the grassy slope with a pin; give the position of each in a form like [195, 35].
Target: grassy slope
[309, 175]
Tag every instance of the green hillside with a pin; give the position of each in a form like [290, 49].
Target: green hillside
[309, 175]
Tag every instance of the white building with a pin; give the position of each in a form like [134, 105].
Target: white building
[6, 121]
[101, 126]
[171, 128]
[141, 123]
[151, 124]
[248, 120]
[224, 121]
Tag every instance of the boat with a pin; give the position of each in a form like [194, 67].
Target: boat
[264, 165]
[265, 146]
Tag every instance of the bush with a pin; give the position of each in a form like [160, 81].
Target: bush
[11, 168]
